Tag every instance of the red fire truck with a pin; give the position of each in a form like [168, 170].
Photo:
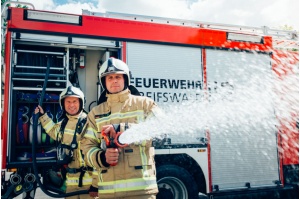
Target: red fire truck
[172, 61]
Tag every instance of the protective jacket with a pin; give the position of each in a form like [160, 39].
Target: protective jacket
[135, 173]
[77, 164]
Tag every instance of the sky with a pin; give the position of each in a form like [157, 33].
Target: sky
[257, 13]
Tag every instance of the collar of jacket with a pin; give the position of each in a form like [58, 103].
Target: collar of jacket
[118, 97]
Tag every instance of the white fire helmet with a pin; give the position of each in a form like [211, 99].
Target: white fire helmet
[72, 91]
[114, 66]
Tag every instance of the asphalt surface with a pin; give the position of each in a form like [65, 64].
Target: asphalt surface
[39, 195]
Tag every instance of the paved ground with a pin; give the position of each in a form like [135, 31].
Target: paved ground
[39, 195]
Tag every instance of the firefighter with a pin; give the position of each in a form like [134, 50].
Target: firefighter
[78, 175]
[122, 172]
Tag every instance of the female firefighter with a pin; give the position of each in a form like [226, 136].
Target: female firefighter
[65, 132]
[123, 172]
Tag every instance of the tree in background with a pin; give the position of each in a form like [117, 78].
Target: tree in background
[286, 27]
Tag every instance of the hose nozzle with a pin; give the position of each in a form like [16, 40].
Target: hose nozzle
[117, 141]
[113, 142]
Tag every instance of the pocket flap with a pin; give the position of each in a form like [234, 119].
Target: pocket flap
[136, 160]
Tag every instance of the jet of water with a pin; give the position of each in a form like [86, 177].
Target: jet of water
[264, 101]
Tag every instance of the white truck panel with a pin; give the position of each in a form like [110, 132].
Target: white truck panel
[154, 74]
[167, 74]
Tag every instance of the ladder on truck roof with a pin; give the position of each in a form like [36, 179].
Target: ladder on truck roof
[282, 39]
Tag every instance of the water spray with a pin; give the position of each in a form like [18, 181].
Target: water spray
[261, 103]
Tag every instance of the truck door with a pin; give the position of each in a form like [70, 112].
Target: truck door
[243, 141]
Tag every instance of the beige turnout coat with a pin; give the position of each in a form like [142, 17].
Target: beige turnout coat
[135, 173]
[53, 130]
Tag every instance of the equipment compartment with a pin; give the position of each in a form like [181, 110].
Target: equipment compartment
[29, 64]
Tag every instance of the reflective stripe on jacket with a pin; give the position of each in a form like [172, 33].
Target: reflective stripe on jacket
[73, 179]
[135, 173]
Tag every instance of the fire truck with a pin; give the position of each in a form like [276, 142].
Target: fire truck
[172, 61]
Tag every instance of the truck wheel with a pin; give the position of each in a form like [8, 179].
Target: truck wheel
[175, 182]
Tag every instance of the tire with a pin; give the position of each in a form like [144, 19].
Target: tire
[175, 182]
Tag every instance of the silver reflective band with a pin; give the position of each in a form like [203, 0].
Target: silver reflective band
[127, 185]
[244, 37]
[77, 181]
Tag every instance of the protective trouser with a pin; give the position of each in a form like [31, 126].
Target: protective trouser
[77, 180]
